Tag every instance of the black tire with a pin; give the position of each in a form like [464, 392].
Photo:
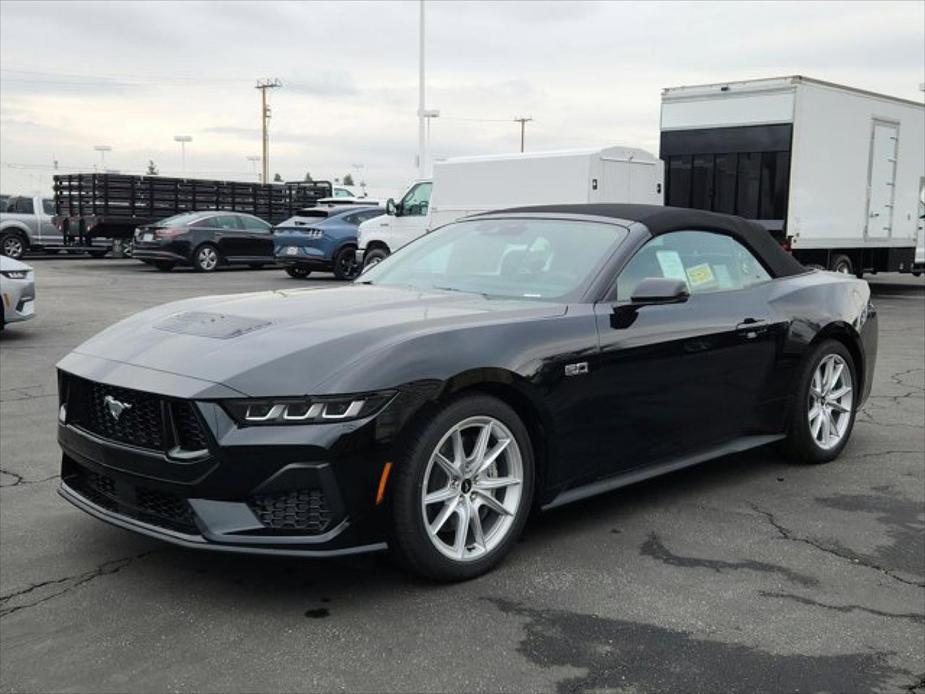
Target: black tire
[97, 254]
[841, 263]
[410, 542]
[298, 272]
[206, 258]
[345, 264]
[374, 257]
[13, 245]
[163, 265]
[800, 442]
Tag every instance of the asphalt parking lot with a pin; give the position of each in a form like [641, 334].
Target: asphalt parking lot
[748, 573]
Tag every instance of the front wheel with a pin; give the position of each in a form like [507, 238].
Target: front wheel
[206, 258]
[345, 264]
[842, 263]
[298, 272]
[374, 257]
[12, 245]
[463, 490]
[823, 413]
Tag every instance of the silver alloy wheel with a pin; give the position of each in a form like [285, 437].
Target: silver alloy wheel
[830, 401]
[472, 488]
[207, 258]
[12, 247]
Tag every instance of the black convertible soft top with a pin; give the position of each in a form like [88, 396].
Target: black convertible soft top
[661, 220]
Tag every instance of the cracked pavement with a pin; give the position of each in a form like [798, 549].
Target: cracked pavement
[749, 573]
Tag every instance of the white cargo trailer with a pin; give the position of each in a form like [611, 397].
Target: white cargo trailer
[838, 174]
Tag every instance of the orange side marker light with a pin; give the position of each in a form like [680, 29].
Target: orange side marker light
[383, 480]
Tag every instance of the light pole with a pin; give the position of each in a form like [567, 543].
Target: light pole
[253, 159]
[357, 167]
[429, 114]
[421, 111]
[183, 139]
[523, 123]
[102, 149]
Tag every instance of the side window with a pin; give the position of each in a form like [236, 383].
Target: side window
[22, 205]
[416, 200]
[706, 261]
[225, 221]
[359, 217]
[254, 224]
[48, 206]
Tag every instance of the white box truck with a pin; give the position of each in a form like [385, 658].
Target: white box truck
[468, 185]
[837, 174]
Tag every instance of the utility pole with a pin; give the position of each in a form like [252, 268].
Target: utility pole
[265, 121]
[102, 149]
[183, 139]
[421, 115]
[523, 123]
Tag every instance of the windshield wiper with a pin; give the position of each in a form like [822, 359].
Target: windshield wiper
[462, 291]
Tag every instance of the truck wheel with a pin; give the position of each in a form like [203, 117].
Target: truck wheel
[374, 257]
[345, 264]
[298, 272]
[12, 245]
[841, 263]
[206, 258]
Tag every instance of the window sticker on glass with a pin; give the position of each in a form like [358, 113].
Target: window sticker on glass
[671, 265]
[700, 275]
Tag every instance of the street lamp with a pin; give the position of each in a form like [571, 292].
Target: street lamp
[183, 139]
[253, 159]
[102, 149]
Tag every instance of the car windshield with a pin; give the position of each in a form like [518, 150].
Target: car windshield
[524, 258]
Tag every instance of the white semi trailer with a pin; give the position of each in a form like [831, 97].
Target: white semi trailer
[837, 174]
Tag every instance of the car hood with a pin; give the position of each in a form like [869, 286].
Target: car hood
[10, 265]
[290, 342]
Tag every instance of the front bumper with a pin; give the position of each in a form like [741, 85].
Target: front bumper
[18, 299]
[307, 490]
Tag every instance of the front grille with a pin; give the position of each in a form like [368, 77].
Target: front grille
[140, 424]
[148, 505]
[141, 416]
[304, 510]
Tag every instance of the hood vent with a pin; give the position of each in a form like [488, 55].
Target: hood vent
[216, 325]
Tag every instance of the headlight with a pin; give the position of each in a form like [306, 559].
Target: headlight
[16, 274]
[320, 410]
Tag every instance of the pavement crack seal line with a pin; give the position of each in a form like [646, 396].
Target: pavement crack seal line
[19, 480]
[788, 535]
[68, 583]
[911, 616]
[654, 548]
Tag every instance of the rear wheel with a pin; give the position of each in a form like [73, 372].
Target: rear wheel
[463, 490]
[374, 257]
[841, 263]
[12, 245]
[823, 413]
[298, 272]
[163, 265]
[206, 258]
[345, 264]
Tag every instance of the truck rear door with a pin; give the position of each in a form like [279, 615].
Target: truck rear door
[881, 184]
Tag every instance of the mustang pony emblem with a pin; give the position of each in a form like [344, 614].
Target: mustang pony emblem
[116, 408]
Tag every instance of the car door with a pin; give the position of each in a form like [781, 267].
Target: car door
[676, 379]
[259, 237]
[229, 235]
[48, 232]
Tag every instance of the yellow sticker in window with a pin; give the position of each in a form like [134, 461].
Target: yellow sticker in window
[698, 275]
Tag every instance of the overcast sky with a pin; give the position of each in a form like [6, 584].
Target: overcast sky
[131, 75]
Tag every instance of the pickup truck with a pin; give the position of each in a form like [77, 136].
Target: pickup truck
[27, 224]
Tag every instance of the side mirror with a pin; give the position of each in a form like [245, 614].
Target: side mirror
[660, 290]
[391, 208]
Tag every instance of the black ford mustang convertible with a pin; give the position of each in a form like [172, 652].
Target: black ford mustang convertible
[514, 360]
